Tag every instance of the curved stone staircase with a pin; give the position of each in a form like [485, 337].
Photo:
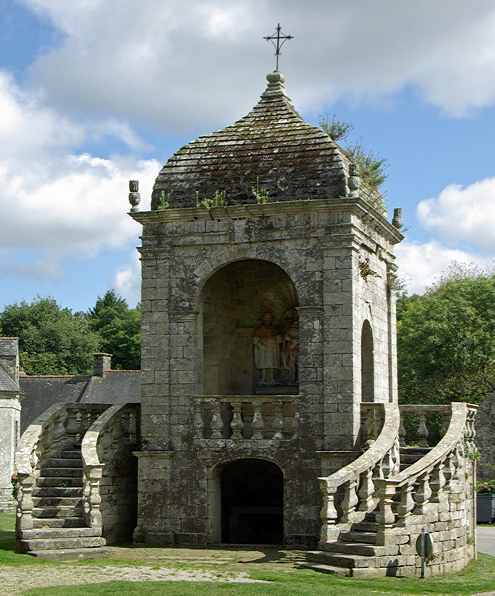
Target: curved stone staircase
[371, 520]
[59, 528]
[60, 463]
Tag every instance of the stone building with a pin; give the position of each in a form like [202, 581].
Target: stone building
[269, 406]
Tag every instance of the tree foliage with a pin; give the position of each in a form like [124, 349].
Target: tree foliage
[52, 340]
[119, 328]
[446, 341]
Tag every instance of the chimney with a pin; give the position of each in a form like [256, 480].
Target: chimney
[9, 356]
[102, 364]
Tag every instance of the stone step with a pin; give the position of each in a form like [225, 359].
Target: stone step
[365, 526]
[72, 454]
[44, 502]
[49, 512]
[47, 472]
[57, 491]
[344, 571]
[73, 554]
[39, 544]
[339, 560]
[351, 548]
[63, 462]
[59, 522]
[43, 533]
[71, 482]
[358, 536]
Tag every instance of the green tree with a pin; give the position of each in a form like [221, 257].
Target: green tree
[119, 328]
[446, 341]
[52, 340]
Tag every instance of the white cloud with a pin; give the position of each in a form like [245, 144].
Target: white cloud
[421, 264]
[58, 202]
[127, 281]
[462, 214]
[178, 62]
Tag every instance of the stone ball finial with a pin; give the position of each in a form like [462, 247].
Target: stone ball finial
[397, 219]
[275, 77]
[134, 196]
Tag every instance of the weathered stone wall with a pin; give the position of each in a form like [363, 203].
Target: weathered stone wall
[485, 438]
[118, 492]
[323, 248]
[10, 415]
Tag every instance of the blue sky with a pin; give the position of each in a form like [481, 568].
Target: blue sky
[96, 92]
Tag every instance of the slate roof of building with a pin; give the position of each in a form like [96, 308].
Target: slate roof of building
[113, 387]
[7, 383]
[272, 149]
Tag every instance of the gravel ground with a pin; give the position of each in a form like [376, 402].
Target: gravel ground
[15, 580]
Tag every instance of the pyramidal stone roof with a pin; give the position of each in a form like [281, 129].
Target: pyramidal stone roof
[272, 153]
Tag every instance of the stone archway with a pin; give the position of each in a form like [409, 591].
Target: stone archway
[232, 304]
[252, 502]
[367, 364]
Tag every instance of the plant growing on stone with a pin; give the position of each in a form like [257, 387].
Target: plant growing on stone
[219, 200]
[164, 201]
[371, 166]
[259, 193]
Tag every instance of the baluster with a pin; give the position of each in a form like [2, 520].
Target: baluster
[422, 494]
[385, 516]
[364, 428]
[457, 461]
[422, 430]
[92, 498]
[117, 429]
[237, 424]
[437, 482]
[445, 423]
[349, 501]
[216, 423]
[402, 432]
[132, 426]
[395, 457]
[295, 424]
[198, 419]
[258, 423]
[328, 515]
[366, 491]
[406, 504]
[448, 471]
[26, 483]
[71, 428]
[278, 421]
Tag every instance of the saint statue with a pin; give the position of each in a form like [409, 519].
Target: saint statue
[267, 349]
[291, 349]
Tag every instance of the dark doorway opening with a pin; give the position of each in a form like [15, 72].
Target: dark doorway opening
[252, 493]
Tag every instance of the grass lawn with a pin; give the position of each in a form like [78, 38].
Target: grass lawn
[282, 579]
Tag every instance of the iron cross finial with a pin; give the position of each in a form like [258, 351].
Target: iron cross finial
[281, 39]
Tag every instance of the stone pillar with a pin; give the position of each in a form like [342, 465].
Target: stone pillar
[341, 401]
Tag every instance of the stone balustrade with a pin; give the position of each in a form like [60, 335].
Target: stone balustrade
[58, 426]
[425, 482]
[242, 417]
[356, 482]
[109, 490]
[422, 425]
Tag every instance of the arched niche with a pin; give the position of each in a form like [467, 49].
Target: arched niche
[232, 303]
[251, 502]
[367, 364]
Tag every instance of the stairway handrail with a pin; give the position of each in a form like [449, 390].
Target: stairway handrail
[377, 451]
[455, 433]
[26, 458]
